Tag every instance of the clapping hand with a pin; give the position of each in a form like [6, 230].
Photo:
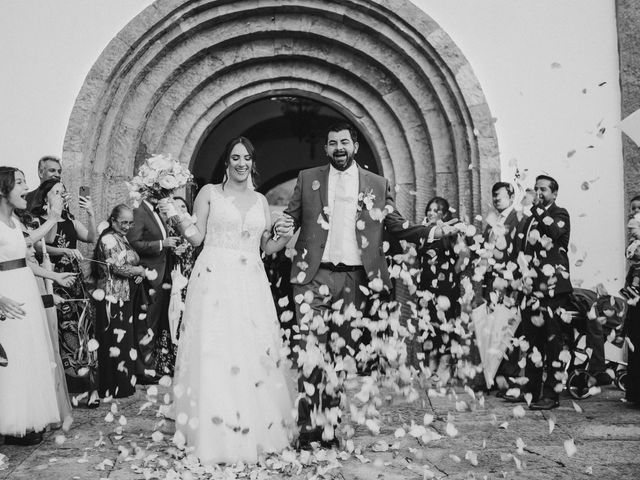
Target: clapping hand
[54, 208]
[10, 308]
[64, 279]
[283, 226]
[446, 229]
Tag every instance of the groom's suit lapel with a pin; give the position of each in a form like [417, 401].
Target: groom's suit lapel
[323, 191]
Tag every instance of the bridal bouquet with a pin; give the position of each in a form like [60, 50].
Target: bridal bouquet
[158, 177]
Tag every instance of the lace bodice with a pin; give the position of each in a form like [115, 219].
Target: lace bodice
[228, 227]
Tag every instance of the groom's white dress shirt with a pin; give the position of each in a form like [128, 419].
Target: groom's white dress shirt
[342, 196]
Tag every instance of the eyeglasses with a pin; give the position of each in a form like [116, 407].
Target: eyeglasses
[124, 223]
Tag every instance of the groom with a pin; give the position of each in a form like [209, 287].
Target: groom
[342, 212]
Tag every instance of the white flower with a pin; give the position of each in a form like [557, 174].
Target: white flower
[98, 294]
[168, 182]
[160, 162]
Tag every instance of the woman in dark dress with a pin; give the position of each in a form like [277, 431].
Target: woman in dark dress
[440, 276]
[117, 276]
[183, 257]
[75, 319]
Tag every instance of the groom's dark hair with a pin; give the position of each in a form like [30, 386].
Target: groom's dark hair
[338, 127]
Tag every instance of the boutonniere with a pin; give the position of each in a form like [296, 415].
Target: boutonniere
[315, 185]
[366, 199]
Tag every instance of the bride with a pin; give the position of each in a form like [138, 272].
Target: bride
[232, 400]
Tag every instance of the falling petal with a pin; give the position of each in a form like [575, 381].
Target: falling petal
[570, 447]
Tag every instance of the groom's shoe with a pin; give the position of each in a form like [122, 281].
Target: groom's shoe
[307, 439]
[330, 444]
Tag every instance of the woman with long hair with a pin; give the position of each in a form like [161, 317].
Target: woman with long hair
[75, 319]
[232, 400]
[440, 278]
[27, 383]
[118, 275]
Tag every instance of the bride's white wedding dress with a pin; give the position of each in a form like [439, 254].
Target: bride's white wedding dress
[232, 400]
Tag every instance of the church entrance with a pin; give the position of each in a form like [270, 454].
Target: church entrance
[186, 75]
[288, 133]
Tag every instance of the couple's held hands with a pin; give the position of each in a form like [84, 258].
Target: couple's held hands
[10, 308]
[283, 226]
[55, 207]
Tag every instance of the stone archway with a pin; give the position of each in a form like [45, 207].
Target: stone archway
[181, 65]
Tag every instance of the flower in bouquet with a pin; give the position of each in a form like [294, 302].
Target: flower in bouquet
[158, 177]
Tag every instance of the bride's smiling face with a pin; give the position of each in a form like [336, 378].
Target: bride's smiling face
[240, 163]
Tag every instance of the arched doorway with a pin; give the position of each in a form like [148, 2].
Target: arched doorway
[288, 133]
[182, 65]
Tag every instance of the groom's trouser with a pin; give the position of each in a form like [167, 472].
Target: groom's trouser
[342, 285]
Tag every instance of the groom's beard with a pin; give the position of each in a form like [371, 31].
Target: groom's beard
[343, 162]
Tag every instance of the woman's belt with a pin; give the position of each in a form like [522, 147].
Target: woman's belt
[13, 264]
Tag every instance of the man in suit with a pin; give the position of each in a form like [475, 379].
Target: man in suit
[544, 264]
[342, 212]
[148, 237]
[499, 235]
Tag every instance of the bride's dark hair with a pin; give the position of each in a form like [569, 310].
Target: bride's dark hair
[250, 149]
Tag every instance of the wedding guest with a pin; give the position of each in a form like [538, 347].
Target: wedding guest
[440, 276]
[62, 243]
[545, 269]
[499, 236]
[632, 282]
[632, 292]
[48, 167]
[182, 259]
[28, 400]
[50, 301]
[118, 275]
[149, 237]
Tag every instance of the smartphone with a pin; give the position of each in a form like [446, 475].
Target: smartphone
[84, 191]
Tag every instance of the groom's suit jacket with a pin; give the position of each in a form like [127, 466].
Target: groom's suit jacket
[309, 209]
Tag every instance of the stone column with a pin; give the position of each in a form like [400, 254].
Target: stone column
[628, 19]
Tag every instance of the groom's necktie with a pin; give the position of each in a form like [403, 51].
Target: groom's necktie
[337, 218]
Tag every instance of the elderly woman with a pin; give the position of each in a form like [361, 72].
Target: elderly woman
[118, 275]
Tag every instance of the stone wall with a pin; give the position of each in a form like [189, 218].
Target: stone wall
[628, 18]
[180, 66]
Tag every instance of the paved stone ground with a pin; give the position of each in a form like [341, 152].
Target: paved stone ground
[606, 434]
